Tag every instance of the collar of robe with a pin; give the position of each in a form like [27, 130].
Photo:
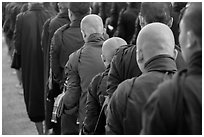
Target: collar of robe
[195, 64]
[76, 23]
[63, 14]
[95, 39]
[161, 63]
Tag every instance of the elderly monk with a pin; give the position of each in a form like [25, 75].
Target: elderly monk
[97, 89]
[82, 66]
[175, 108]
[156, 59]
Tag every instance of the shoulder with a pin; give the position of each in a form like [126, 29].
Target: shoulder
[74, 57]
[124, 48]
[119, 98]
[124, 88]
[47, 23]
[55, 20]
[167, 91]
[96, 78]
[20, 15]
[123, 51]
[60, 30]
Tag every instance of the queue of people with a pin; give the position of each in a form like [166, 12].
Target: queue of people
[108, 68]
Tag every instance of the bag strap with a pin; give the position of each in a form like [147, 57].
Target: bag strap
[180, 80]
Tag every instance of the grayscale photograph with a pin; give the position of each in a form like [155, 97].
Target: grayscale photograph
[102, 68]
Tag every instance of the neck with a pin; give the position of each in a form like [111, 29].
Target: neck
[162, 63]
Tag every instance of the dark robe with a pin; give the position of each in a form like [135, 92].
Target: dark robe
[29, 26]
[66, 40]
[81, 67]
[126, 23]
[49, 28]
[175, 108]
[125, 108]
[96, 93]
[124, 66]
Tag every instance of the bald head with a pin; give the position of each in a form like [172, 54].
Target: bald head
[92, 24]
[155, 39]
[193, 18]
[110, 46]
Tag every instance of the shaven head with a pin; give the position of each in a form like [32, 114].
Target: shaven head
[91, 24]
[190, 37]
[109, 48]
[154, 39]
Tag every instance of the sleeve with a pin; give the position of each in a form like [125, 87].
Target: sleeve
[18, 33]
[157, 114]
[115, 112]
[73, 88]
[55, 57]
[113, 75]
[92, 107]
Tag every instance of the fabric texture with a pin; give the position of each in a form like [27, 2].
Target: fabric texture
[82, 66]
[95, 98]
[175, 108]
[125, 108]
[27, 36]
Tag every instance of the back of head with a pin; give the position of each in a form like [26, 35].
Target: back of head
[154, 39]
[156, 12]
[110, 46]
[80, 9]
[192, 19]
[91, 24]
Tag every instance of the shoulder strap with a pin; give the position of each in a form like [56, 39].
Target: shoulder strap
[179, 81]
[131, 88]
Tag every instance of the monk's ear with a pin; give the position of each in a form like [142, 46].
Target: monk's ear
[140, 56]
[170, 23]
[103, 58]
[90, 10]
[142, 21]
[191, 41]
[175, 54]
[83, 34]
